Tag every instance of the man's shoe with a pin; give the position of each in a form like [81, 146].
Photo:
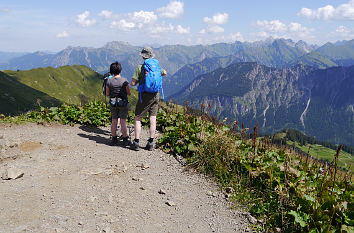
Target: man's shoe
[126, 142]
[114, 141]
[135, 146]
[149, 146]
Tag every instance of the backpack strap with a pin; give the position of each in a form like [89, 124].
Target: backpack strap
[163, 97]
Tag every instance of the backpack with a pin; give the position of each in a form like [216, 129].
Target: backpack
[106, 76]
[152, 81]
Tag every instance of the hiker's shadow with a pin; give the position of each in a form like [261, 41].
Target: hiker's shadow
[94, 130]
[105, 139]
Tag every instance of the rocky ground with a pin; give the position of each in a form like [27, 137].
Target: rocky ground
[68, 179]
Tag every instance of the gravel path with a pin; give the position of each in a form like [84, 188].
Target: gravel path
[75, 182]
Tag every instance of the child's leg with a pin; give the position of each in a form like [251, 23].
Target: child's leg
[123, 126]
[114, 127]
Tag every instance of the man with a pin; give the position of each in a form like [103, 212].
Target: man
[147, 102]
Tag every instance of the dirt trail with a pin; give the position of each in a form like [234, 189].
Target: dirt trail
[74, 182]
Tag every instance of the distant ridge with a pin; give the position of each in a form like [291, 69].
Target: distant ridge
[319, 102]
[272, 52]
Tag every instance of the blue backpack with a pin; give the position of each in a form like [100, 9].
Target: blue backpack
[152, 81]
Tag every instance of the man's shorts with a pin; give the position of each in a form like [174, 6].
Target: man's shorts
[119, 112]
[149, 103]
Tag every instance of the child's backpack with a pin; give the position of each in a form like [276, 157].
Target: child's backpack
[152, 81]
[106, 76]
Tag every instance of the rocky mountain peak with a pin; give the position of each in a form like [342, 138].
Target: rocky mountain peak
[304, 46]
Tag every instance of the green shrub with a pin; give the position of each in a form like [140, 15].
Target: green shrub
[284, 190]
[94, 113]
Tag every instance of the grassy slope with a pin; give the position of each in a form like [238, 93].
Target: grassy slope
[70, 84]
[67, 84]
[320, 152]
[16, 97]
[315, 59]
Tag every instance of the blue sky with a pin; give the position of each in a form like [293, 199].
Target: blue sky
[42, 25]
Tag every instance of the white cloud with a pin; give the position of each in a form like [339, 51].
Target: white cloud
[213, 24]
[143, 17]
[342, 12]
[271, 26]
[63, 34]
[173, 10]
[263, 34]
[230, 38]
[182, 30]
[123, 25]
[134, 21]
[161, 28]
[106, 14]
[342, 32]
[342, 29]
[5, 10]
[84, 20]
[211, 29]
[298, 28]
[236, 37]
[215, 29]
[217, 19]
[277, 29]
[147, 22]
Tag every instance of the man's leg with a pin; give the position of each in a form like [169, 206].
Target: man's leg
[150, 142]
[137, 127]
[152, 126]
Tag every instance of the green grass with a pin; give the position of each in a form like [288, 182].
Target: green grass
[345, 160]
[17, 97]
[48, 87]
[69, 84]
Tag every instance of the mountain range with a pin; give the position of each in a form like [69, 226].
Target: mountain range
[277, 53]
[5, 56]
[319, 102]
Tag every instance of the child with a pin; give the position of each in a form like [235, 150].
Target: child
[117, 89]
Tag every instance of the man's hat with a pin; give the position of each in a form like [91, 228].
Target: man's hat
[147, 52]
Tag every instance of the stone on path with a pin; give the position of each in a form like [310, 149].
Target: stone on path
[170, 203]
[144, 166]
[108, 230]
[12, 174]
[137, 179]
[212, 194]
[161, 191]
[251, 219]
